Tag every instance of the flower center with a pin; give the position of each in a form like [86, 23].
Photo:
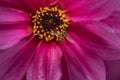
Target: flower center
[50, 23]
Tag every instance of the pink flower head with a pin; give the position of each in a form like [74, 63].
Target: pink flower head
[58, 39]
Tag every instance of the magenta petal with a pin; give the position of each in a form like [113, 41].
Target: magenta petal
[114, 22]
[47, 63]
[29, 6]
[10, 15]
[9, 37]
[70, 72]
[89, 9]
[23, 5]
[14, 25]
[10, 52]
[82, 61]
[36, 4]
[100, 38]
[65, 70]
[14, 68]
[113, 70]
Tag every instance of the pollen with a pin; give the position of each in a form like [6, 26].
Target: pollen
[50, 24]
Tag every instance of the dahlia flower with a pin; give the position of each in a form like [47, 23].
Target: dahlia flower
[58, 39]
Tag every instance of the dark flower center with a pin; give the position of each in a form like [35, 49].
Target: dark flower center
[50, 23]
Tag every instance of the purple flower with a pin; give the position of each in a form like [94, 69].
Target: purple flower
[58, 39]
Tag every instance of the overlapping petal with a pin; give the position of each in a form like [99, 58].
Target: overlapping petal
[40, 3]
[10, 15]
[14, 25]
[23, 5]
[99, 37]
[8, 53]
[47, 63]
[89, 9]
[77, 58]
[83, 63]
[70, 72]
[29, 6]
[10, 37]
[14, 68]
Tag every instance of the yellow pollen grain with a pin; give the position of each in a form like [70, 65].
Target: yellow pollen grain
[37, 12]
[53, 9]
[38, 22]
[65, 25]
[56, 9]
[42, 30]
[46, 8]
[65, 20]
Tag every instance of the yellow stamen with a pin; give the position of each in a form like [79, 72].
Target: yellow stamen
[50, 23]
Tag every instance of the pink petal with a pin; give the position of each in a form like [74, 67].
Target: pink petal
[114, 22]
[99, 37]
[36, 4]
[47, 63]
[118, 9]
[29, 6]
[10, 52]
[89, 9]
[70, 72]
[10, 15]
[10, 37]
[81, 60]
[113, 70]
[14, 25]
[14, 68]
[65, 69]
[20, 5]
